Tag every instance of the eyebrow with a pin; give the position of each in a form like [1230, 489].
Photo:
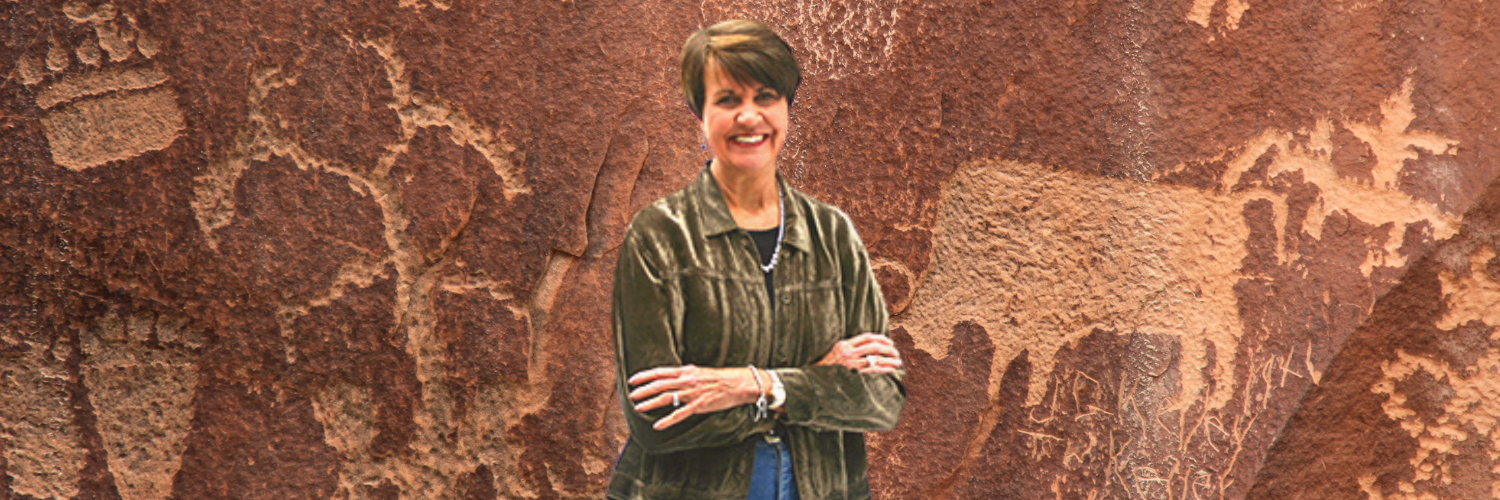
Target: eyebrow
[762, 88]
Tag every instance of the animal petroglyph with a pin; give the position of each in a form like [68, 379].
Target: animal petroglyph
[43, 452]
[444, 445]
[106, 113]
[1127, 256]
[142, 397]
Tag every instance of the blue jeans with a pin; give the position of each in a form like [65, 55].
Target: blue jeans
[772, 478]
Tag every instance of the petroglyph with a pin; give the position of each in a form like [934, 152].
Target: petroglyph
[141, 375]
[834, 39]
[29, 70]
[419, 4]
[1475, 297]
[1095, 253]
[258, 140]
[101, 82]
[1234, 10]
[1472, 411]
[1128, 256]
[142, 397]
[444, 445]
[91, 133]
[1377, 203]
[43, 452]
[96, 117]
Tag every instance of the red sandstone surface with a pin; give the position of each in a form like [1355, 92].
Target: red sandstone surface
[1199, 249]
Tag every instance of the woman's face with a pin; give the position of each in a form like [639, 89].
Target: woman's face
[745, 123]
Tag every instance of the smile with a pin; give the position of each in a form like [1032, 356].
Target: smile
[750, 140]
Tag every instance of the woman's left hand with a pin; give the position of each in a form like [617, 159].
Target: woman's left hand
[693, 390]
[864, 353]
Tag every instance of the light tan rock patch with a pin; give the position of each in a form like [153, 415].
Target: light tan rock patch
[142, 397]
[43, 452]
[1041, 257]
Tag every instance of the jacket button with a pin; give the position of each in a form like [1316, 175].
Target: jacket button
[786, 299]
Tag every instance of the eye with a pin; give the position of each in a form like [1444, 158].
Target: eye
[728, 100]
[767, 97]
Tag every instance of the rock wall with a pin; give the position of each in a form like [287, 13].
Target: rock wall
[1136, 249]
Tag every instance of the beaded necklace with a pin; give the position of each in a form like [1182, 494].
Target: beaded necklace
[780, 233]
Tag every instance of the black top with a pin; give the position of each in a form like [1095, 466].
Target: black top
[765, 242]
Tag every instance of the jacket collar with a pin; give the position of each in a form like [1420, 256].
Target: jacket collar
[717, 220]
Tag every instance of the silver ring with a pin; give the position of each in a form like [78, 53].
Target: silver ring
[675, 401]
[870, 359]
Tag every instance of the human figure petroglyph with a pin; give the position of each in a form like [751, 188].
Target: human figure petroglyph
[116, 106]
[445, 445]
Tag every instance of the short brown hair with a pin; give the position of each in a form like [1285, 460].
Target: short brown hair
[749, 51]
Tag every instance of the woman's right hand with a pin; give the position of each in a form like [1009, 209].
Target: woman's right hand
[693, 390]
[865, 353]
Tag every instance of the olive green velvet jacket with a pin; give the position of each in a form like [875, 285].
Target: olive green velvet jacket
[689, 290]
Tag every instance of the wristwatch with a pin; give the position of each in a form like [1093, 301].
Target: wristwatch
[778, 391]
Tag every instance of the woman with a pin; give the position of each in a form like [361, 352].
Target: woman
[741, 308]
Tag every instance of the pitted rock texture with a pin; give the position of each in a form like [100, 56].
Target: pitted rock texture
[1186, 249]
[1407, 409]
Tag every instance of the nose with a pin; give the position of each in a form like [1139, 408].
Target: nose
[749, 116]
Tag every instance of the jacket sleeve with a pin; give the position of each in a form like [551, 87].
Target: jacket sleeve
[834, 397]
[648, 312]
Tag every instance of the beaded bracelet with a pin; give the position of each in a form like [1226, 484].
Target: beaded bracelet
[760, 402]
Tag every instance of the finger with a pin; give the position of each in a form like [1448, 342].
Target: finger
[659, 401]
[876, 350]
[676, 416]
[865, 338]
[659, 372]
[662, 386]
[881, 366]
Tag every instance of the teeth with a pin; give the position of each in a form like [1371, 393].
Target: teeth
[749, 139]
